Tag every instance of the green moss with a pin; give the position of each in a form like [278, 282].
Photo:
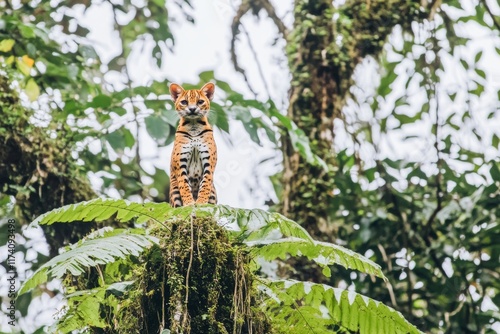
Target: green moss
[323, 49]
[194, 262]
[36, 169]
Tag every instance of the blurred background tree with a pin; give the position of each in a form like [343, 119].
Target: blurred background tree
[375, 125]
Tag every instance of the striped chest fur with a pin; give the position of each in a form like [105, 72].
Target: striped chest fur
[194, 155]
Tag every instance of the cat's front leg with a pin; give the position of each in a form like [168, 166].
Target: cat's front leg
[208, 161]
[180, 157]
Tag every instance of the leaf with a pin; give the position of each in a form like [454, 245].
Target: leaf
[218, 117]
[120, 111]
[27, 31]
[116, 140]
[322, 253]
[206, 76]
[10, 60]
[478, 56]
[6, 45]
[89, 253]
[300, 141]
[88, 52]
[405, 119]
[495, 171]
[385, 84]
[170, 116]
[31, 50]
[481, 73]
[478, 90]
[23, 67]
[84, 311]
[28, 61]
[288, 302]
[101, 101]
[464, 64]
[495, 141]
[99, 210]
[32, 90]
[298, 138]
[157, 128]
[250, 225]
[454, 3]
[119, 288]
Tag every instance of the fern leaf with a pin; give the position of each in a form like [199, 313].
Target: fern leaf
[256, 224]
[103, 209]
[84, 311]
[304, 307]
[89, 253]
[322, 253]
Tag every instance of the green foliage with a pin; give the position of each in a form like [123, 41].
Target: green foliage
[423, 207]
[256, 224]
[414, 216]
[416, 160]
[100, 210]
[273, 236]
[85, 309]
[271, 121]
[90, 253]
[345, 310]
[322, 253]
[261, 234]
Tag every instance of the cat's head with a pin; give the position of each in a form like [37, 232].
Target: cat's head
[192, 103]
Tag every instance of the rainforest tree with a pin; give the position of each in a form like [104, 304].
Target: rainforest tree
[422, 204]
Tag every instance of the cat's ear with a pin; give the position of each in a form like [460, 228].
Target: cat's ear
[208, 90]
[175, 91]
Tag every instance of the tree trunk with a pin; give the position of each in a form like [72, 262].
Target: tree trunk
[323, 53]
[323, 50]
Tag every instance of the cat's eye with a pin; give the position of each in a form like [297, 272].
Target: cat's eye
[201, 102]
[184, 102]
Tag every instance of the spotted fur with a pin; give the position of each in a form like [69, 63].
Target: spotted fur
[194, 155]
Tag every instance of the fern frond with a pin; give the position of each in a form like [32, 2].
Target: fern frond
[102, 209]
[255, 224]
[85, 310]
[89, 253]
[304, 307]
[322, 253]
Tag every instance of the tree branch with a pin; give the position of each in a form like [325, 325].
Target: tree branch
[256, 58]
[245, 6]
[439, 191]
[488, 9]
[269, 8]
[134, 107]
[242, 10]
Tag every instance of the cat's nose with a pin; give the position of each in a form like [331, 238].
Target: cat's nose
[192, 109]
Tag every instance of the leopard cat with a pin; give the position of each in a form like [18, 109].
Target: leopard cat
[194, 155]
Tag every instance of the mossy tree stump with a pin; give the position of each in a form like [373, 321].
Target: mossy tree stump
[195, 281]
